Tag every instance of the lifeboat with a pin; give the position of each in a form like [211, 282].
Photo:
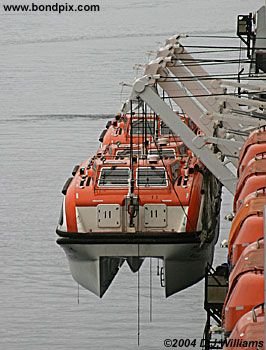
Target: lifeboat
[255, 144]
[245, 291]
[144, 128]
[253, 178]
[248, 332]
[107, 181]
[250, 211]
[252, 257]
[139, 197]
[251, 230]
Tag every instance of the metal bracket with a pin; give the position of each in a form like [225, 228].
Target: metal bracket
[235, 146]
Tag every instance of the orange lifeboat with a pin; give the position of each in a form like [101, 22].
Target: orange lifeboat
[255, 144]
[106, 181]
[252, 257]
[101, 226]
[252, 207]
[250, 231]
[144, 128]
[248, 332]
[245, 292]
[143, 194]
[252, 178]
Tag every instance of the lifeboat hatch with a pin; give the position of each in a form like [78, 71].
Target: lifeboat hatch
[108, 215]
[155, 215]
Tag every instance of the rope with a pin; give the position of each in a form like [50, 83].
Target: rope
[138, 302]
[150, 289]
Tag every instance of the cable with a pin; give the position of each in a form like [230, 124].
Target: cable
[219, 47]
[212, 36]
[196, 64]
[138, 152]
[212, 51]
[245, 77]
[213, 95]
[212, 60]
[207, 77]
[215, 36]
[150, 289]
[138, 286]
[131, 144]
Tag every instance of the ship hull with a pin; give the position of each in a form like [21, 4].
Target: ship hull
[95, 260]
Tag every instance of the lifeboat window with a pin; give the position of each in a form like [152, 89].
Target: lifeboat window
[151, 176]
[165, 153]
[165, 130]
[115, 177]
[138, 127]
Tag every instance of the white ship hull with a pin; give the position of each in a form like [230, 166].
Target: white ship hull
[94, 265]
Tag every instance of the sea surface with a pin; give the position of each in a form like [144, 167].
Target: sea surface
[59, 84]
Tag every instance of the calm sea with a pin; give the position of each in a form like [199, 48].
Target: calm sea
[59, 83]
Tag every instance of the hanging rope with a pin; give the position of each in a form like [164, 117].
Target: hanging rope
[131, 148]
[138, 287]
[138, 150]
[150, 289]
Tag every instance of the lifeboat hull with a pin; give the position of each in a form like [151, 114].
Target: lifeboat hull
[94, 262]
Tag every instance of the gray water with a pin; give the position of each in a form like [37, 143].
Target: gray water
[59, 82]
